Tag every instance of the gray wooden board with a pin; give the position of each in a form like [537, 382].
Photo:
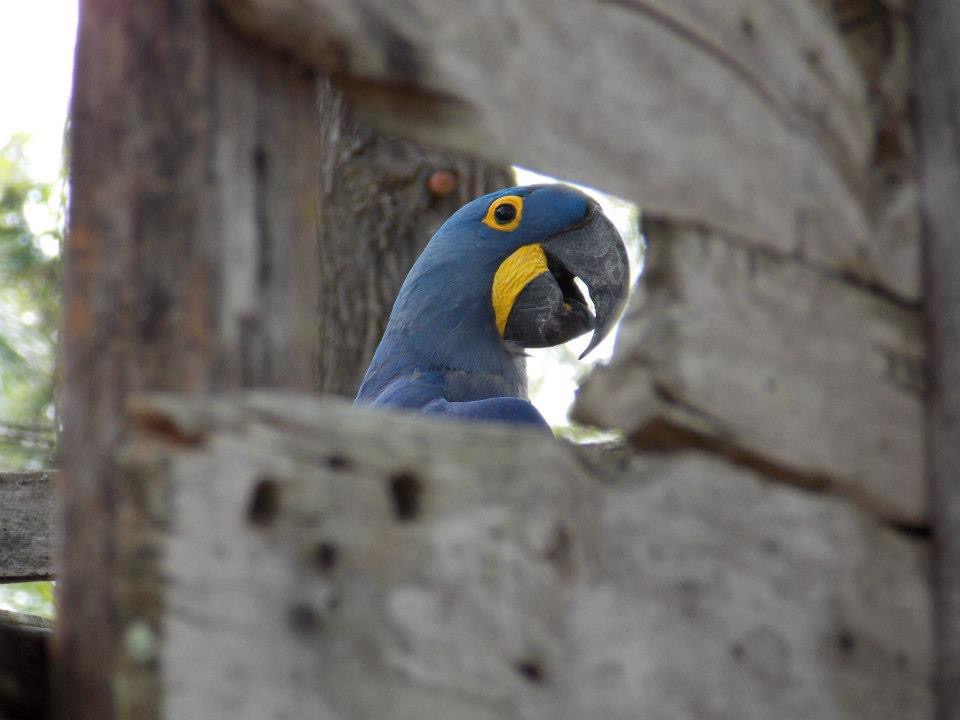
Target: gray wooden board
[937, 85]
[748, 116]
[815, 379]
[26, 520]
[317, 561]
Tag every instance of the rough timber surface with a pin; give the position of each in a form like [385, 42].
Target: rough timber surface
[312, 560]
[749, 116]
[771, 362]
[190, 265]
[937, 86]
[26, 526]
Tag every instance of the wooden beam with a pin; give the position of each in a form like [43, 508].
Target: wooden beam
[305, 559]
[749, 117]
[772, 363]
[937, 88]
[26, 526]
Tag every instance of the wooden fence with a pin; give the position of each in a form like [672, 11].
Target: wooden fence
[786, 376]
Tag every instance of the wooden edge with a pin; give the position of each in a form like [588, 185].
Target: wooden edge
[24, 620]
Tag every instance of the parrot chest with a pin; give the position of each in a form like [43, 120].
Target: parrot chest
[463, 386]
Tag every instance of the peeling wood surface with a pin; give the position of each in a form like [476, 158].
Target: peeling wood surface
[770, 362]
[749, 116]
[937, 79]
[312, 560]
[26, 526]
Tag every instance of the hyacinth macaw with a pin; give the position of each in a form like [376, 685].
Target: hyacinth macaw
[496, 278]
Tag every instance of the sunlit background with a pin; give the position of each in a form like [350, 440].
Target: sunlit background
[37, 61]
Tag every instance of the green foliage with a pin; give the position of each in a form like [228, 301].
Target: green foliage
[31, 221]
[29, 311]
[33, 598]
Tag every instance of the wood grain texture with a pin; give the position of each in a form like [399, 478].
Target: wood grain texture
[317, 561]
[26, 526]
[773, 363]
[877, 36]
[190, 265]
[749, 116]
[937, 80]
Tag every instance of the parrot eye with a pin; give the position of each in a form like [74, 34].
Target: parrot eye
[504, 213]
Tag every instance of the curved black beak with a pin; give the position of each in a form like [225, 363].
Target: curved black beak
[551, 309]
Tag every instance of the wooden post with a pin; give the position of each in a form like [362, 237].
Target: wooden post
[189, 265]
[937, 83]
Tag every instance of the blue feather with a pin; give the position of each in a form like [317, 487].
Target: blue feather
[441, 352]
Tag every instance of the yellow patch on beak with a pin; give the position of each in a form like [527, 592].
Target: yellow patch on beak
[512, 277]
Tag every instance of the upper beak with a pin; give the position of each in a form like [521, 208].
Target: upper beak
[551, 309]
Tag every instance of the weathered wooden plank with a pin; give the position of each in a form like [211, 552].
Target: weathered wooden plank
[937, 79]
[26, 526]
[748, 116]
[311, 560]
[771, 362]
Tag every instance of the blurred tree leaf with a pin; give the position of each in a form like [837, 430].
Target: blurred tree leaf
[34, 598]
[31, 219]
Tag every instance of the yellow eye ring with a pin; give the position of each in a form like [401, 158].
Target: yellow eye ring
[504, 213]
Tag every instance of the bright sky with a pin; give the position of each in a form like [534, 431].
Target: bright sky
[554, 372]
[36, 57]
[37, 62]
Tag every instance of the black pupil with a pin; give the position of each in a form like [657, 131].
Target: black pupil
[504, 213]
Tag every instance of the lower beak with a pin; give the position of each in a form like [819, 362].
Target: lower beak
[551, 310]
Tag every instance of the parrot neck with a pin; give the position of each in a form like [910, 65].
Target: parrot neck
[457, 338]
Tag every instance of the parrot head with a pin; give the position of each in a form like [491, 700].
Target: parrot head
[498, 277]
[517, 251]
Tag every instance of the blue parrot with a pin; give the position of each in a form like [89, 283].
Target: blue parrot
[496, 278]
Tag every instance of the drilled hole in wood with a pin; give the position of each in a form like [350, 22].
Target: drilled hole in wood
[846, 642]
[303, 619]
[260, 161]
[324, 556]
[531, 670]
[264, 502]
[405, 494]
[560, 550]
[337, 462]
